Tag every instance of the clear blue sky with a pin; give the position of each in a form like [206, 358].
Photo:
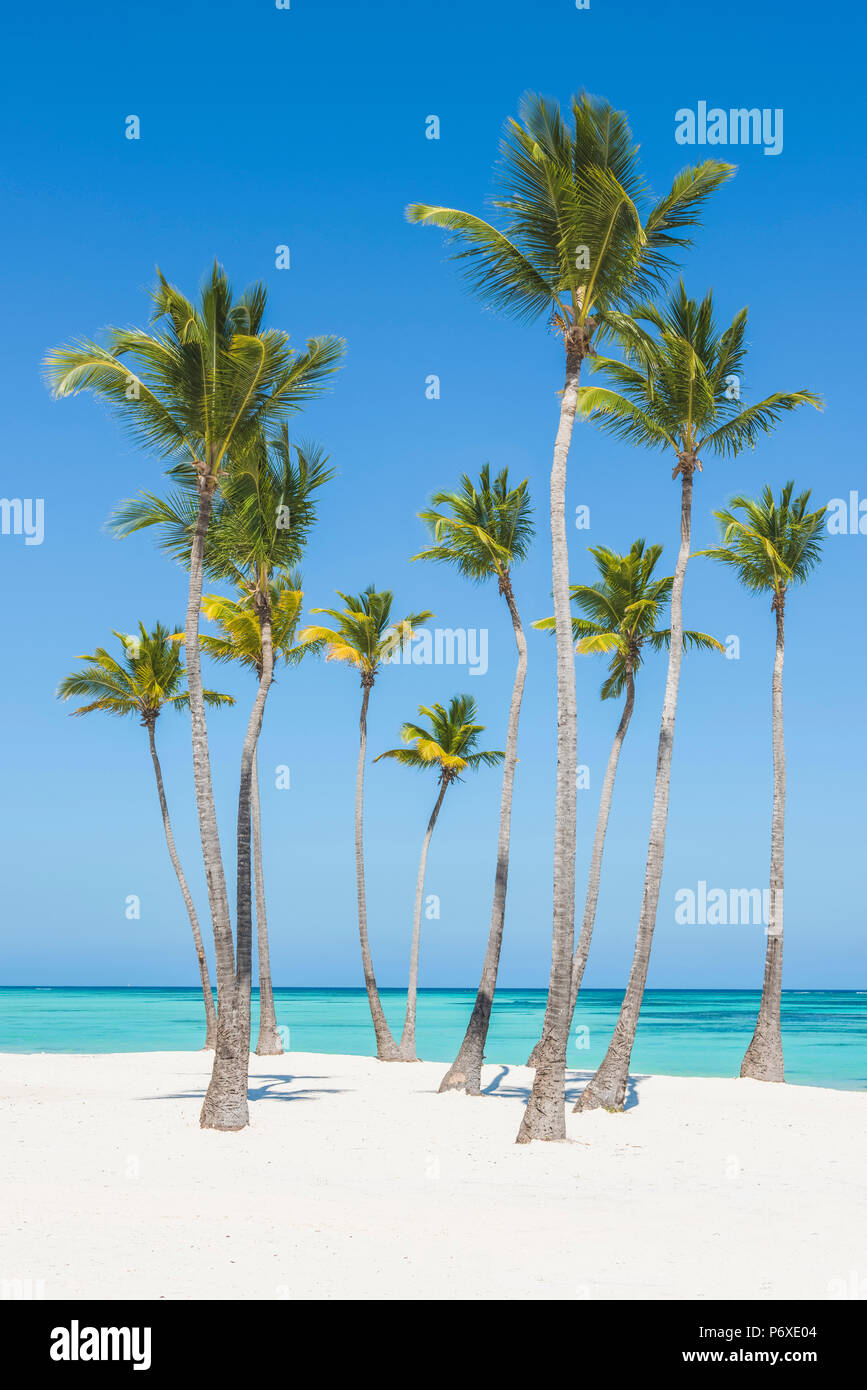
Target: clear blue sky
[307, 127]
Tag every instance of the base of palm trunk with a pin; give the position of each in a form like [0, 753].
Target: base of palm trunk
[406, 1053]
[269, 1045]
[465, 1074]
[545, 1115]
[764, 1056]
[605, 1091]
[225, 1106]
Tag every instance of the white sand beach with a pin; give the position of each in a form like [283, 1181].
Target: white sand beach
[356, 1180]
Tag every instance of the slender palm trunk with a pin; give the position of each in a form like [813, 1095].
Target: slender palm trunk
[220, 1110]
[585, 936]
[207, 992]
[607, 1089]
[268, 1044]
[465, 1073]
[764, 1056]
[406, 1050]
[386, 1047]
[544, 1117]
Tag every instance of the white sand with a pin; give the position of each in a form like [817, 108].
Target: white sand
[356, 1180]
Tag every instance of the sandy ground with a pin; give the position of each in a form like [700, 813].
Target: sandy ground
[356, 1180]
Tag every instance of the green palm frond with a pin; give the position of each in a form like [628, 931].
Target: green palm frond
[364, 635]
[447, 743]
[773, 543]
[147, 678]
[482, 529]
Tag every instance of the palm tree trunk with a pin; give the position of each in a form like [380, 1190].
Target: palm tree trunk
[607, 1089]
[233, 1098]
[406, 1050]
[268, 1043]
[465, 1073]
[585, 936]
[386, 1047]
[207, 992]
[764, 1056]
[220, 1109]
[544, 1117]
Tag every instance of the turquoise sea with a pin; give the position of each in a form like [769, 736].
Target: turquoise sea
[681, 1033]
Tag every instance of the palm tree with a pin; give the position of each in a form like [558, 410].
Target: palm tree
[676, 392]
[260, 524]
[621, 615]
[145, 681]
[197, 389]
[449, 746]
[239, 639]
[484, 531]
[578, 235]
[770, 547]
[364, 637]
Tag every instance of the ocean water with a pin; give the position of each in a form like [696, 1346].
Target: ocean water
[681, 1032]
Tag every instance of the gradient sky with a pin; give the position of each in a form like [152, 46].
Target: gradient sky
[306, 127]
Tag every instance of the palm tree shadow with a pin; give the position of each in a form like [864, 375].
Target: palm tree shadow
[575, 1083]
[275, 1087]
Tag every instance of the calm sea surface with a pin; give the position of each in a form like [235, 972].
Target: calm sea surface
[681, 1033]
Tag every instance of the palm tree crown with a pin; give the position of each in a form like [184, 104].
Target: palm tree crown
[239, 633]
[578, 230]
[773, 543]
[448, 744]
[147, 678]
[676, 387]
[363, 634]
[622, 611]
[482, 530]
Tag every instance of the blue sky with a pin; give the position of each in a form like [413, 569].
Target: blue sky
[306, 127]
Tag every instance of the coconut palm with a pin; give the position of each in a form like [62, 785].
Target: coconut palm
[260, 524]
[621, 612]
[364, 636]
[484, 530]
[239, 639]
[147, 679]
[448, 746]
[196, 388]
[679, 390]
[577, 235]
[770, 546]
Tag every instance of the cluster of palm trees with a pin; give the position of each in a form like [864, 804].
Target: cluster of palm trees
[577, 239]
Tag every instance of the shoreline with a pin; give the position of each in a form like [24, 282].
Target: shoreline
[357, 1180]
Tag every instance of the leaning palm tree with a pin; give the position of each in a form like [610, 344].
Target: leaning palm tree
[239, 639]
[771, 546]
[577, 236]
[679, 391]
[621, 613]
[484, 531]
[364, 636]
[260, 524]
[448, 746]
[196, 388]
[147, 679]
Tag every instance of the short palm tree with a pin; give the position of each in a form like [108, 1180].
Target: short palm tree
[147, 679]
[239, 639]
[484, 530]
[771, 546]
[621, 616]
[260, 524]
[675, 393]
[197, 387]
[447, 746]
[577, 236]
[364, 636]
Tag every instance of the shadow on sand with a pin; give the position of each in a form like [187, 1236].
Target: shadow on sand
[274, 1087]
[575, 1083]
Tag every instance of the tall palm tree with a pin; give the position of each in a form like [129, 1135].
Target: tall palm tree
[260, 524]
[147, 679]
[771, 546]
[577, 236]
[239, 639]
[364, 636]
[484, 530]
[196, 388]
[675, 394]
[448, 745]
[621, 613]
